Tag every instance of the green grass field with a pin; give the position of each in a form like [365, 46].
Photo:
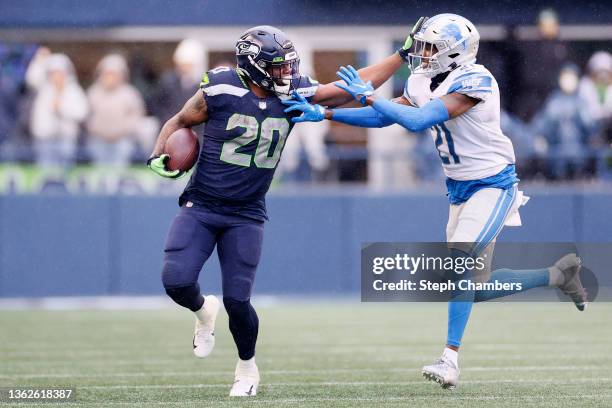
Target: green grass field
[317, 355]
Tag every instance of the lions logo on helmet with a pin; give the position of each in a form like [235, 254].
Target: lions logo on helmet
[443, 43]
[266, 56]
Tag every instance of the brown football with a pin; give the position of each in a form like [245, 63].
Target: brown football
[183, 148]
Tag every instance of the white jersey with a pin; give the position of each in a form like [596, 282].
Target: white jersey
[472, 145]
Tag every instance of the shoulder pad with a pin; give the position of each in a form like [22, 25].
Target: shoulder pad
[472, 80]
[223, 80]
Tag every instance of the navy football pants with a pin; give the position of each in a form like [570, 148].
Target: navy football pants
[192, 238]
[193, 235]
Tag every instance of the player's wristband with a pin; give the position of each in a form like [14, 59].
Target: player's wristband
[150, 159]
[403, 53]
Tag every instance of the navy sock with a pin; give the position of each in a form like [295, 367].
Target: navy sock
[243, 324]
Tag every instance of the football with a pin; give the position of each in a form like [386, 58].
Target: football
[183, 147]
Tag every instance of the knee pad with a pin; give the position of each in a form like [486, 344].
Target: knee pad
[477, 270]
[458, 274]
[239, 309]
[173, 275]
[187, 296]
[457, 255]
[176, 273]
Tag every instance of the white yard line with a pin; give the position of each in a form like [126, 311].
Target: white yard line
[339, 383]
[18, 349]
[258, 400]
[181, 358]
[209, 373]
[449, 396]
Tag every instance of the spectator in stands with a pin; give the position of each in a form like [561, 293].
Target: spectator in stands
[539, 57]
[36, 75]
[524, 142]
[178, 85]
[596, 90]
[14, 108]
[567, 126]
[502, 57]
[426, 159]
[60, 106]
[8, 114]
[116, 111]
[307, 139]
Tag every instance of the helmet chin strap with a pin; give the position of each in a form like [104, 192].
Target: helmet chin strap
[268, 78]
[284, 89]
[430, 73]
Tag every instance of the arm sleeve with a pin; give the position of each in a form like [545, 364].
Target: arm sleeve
[362, 117]
[413, 119]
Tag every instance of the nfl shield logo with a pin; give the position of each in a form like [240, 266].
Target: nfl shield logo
[262, 105]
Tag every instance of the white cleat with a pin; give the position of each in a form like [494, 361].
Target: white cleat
[204, 334]
[570, 266]
[444, 372]
[246, 379]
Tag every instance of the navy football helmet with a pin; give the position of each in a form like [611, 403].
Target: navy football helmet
[268, 58]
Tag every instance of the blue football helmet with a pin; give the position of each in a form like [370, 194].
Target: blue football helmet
[266, 56]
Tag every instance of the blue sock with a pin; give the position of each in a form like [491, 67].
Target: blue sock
[531, 278]
[459, 310]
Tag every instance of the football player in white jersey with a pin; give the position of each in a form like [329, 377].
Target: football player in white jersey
[459, 100]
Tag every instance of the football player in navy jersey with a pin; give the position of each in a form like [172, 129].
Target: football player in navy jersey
[224, 201]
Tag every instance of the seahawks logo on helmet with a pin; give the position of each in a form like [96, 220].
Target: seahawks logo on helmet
[247, 48]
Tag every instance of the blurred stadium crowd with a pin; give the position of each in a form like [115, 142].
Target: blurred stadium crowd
[556, 109]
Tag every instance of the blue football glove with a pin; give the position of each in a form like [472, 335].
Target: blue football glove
[354, 84]
[310, 112]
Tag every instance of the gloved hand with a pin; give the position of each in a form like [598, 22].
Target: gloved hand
[158, 165]
[310, 112]
[354, 84]
[403, 51]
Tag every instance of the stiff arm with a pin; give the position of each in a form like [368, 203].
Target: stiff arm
[382, 112]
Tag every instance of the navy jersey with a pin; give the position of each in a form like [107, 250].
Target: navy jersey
[243, 141]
